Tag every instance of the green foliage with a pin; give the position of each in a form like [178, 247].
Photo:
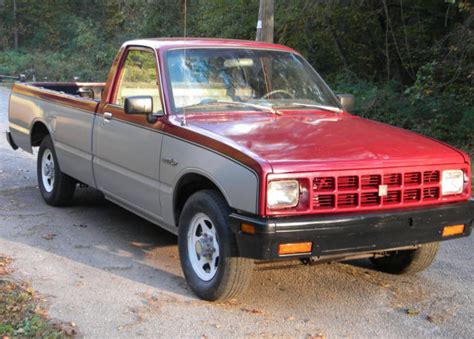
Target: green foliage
[234, 19]
[439, 117]
[52, 66]
[410, 63]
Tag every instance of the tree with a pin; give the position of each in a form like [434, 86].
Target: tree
[15, 23]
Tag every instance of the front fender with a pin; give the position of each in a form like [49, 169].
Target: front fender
[238, 183]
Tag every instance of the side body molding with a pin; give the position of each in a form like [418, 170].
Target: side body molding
[238, 183]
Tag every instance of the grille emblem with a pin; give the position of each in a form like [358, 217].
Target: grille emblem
[383, 190]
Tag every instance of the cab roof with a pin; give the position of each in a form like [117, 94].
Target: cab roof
[169, 43]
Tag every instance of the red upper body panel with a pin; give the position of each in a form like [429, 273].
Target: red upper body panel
[301, 141]
[169, 43]
[297, 141]
[306, 140]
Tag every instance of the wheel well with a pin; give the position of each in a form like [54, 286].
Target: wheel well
[187, 186]
[38, 132]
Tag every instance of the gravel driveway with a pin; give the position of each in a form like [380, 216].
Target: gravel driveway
[117, 275]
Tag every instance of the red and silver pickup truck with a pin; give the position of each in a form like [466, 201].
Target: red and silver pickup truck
[243, 151]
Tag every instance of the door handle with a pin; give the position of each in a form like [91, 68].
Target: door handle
[107, 116]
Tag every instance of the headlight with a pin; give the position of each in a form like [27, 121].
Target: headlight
[283, 194]
[452, 182]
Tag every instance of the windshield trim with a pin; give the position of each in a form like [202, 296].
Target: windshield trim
[173, 109]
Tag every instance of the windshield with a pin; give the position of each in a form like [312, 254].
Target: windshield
[230, 79]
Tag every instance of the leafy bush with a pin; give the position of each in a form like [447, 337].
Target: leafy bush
[51, 66]
[443, 117]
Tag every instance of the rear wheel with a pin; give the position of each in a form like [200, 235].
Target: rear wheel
[56, 188]
[408, 261]
[208, 251]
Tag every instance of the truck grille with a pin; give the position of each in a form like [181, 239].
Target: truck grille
[342, 191]
[415, 187]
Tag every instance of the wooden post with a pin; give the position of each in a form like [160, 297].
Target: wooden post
[265, 21]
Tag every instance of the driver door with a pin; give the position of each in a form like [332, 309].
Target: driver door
[127, 147]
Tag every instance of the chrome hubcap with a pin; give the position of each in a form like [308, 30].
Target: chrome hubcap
[47, 170]
[203, 247]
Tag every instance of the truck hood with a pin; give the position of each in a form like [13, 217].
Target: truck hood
[295, 142]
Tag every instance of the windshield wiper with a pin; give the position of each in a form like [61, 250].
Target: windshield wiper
[237, 103]
[323, 107]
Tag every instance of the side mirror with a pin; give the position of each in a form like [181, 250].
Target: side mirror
[142, 104]
[347, 101]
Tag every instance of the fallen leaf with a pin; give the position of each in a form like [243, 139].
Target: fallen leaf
[252, 310]
[315, 336]
[70, 332]
[49, 236]
[412, 311]
[80, 225]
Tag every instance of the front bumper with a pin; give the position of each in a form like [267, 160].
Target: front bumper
[352, 233]
[10, 141]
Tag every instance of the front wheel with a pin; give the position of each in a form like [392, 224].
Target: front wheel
[408, 261]
[56, 188]
[208, 250]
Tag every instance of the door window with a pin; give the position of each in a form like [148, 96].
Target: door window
[138, 77]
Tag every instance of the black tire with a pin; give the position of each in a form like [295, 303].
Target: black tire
[63, 186]
[233, 273]
[409, 261]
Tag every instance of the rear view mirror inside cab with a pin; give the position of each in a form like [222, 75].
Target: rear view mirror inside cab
[246, 62]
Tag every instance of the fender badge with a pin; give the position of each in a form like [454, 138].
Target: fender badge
[383, 190]
[169, 161]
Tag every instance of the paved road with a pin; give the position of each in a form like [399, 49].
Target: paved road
[116, 275]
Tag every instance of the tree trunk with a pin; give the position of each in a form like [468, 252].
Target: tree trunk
[15, 29]
[265, 21]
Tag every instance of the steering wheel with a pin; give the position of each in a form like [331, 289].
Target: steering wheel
[277, 91]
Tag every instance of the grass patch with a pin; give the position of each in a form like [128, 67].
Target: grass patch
[21, 314]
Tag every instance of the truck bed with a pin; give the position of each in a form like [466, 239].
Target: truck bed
[91, 90]
[67, 109]
[79, 96]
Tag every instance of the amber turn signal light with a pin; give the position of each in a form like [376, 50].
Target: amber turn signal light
[453, 230]
[295, 248]
[247, 228]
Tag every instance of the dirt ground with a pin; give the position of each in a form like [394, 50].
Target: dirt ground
[116, 275]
